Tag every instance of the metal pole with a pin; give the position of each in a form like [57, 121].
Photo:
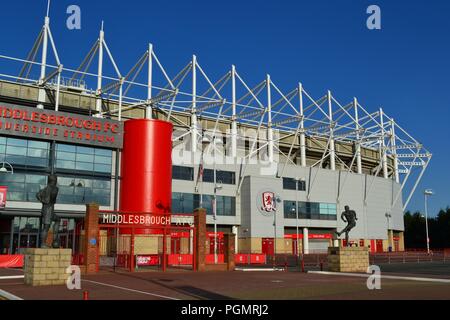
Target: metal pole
[426, 224]
[383, 149]
[215, 203]
[41, 94]
[302, 129]
[269, 121]
[98, 106]
[274, 237]
[233, 117]
[331, 147]
[148, 109]
[358, 142]
[296, 215]
[194, 106]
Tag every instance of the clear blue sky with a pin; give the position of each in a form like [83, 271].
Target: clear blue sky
[405, 67]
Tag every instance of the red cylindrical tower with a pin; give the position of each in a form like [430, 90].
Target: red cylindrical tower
[146, 168]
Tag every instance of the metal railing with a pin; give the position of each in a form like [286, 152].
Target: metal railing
[409, 257]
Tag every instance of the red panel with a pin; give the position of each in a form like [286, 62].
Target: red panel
[146, 168]
[11, 261]
[147, 260]
[180, 259]
[209, 258]
[258, 259]
[241, 258]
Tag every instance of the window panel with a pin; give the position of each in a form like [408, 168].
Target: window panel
[103, 152]
[38, 144]
[102, 168]
[85, 166]
[103, 160]
[85, 150]
[84, 157]
[66, 148]
[16, 142]
[65, 164]
[17, 151]
[182, 173]
[61, 155]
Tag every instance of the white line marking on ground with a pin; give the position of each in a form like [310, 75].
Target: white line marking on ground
[132, 290]
[11, 277]
[8, 295]
[259, 269]
[361, 275]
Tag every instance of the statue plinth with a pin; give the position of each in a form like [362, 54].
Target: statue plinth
[45, 267]
[348, 259]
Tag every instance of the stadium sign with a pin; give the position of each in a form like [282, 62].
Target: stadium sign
[60, 126]
[134, 219]
[266, 202]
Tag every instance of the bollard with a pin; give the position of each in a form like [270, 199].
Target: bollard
[303, 265]
[321, 265]
[285, 266]
[85, 295]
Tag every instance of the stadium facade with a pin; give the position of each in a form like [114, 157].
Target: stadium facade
[310, 156]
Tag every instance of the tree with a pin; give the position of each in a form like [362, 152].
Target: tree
[438, 227]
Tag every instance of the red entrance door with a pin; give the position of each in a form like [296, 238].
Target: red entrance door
[175, 245]
[294, 246]
[268, 246]
[379, 245]
[372, 246]
[220, 245]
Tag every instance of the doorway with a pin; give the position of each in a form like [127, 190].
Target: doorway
[268, 246]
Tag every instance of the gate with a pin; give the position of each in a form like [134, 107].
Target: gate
[136, 247]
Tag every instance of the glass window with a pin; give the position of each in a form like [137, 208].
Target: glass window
[23, 187]
[289, 184]
[83, 158]
[85, 150]
[223, 177]
[310, 210]
[66, 148]
[81, 191]
[187, 202]
[289, 209]
[182, 202]
[183, 173]
[22, 153]
[84, 166]
[18, 151]
[16, 142]
[61, 155]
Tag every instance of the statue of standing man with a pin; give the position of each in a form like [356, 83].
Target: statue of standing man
[348, 216]
[47, 197]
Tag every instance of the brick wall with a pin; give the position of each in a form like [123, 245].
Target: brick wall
[348, 259]
[43, 267]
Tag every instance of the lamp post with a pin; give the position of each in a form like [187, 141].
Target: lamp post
[3, 169]
[388, 216]
[205, 143]
[276, 200]
[427, 192]
[216, 187]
